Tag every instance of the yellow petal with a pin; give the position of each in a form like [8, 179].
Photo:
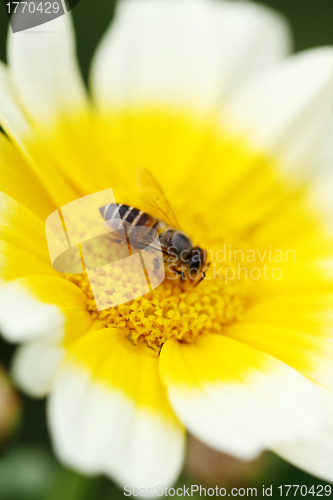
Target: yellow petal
[18, 181]
[23, 248]
[92, 352]
[294, 329]
[16, 262]
[21, 228]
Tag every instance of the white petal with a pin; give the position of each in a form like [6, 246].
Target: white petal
[236, 399]
[36, 306]
[325, 159]
[251, 38]
[45, 71]
[183, 52]
[23, 317]
[35, 365]
[315, 455]
[96, 430]
[320, 192]
[285, 111]
[11, 115]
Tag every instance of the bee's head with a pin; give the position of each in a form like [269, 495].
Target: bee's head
[179, 244]
[197, 260]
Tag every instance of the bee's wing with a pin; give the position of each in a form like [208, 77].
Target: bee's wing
[155, 198]
[137, 237]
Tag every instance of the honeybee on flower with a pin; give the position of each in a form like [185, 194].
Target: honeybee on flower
[206, 96]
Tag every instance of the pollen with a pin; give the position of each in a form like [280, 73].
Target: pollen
[171, 309]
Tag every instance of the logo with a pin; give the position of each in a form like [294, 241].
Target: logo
[27, 14]
[79, 240]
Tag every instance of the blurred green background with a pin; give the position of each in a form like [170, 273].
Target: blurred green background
[28, 469]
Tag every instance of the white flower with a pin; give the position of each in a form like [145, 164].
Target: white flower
[205, 95]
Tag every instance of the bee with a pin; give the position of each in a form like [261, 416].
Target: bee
[177, 248]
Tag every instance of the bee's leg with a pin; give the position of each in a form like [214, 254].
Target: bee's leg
[182, 275]
[202, 278]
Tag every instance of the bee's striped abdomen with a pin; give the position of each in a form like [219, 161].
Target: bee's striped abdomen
[131, 215]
